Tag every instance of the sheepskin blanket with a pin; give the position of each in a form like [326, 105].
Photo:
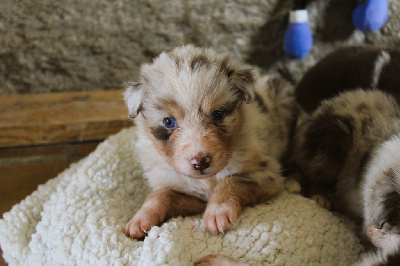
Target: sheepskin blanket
[79, 216]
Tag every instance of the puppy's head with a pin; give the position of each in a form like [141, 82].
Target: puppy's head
[191, 102]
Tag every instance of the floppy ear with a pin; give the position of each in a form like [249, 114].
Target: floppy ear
[133, 98]
[243, 80]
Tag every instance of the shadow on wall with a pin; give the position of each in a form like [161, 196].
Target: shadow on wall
[267, 44]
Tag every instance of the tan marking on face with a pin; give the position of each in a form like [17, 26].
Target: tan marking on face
[172, 145]
[185, 147]
[214, 139]
[196, 132]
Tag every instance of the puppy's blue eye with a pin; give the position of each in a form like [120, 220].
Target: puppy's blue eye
[169, 122]
[218, 115]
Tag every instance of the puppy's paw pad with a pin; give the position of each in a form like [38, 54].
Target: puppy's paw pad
[219, 217]
[322, 201]
[217, 260]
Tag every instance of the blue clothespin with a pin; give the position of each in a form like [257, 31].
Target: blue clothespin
[298, 39]
[370, 15]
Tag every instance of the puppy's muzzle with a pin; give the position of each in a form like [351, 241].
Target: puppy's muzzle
[201, 162]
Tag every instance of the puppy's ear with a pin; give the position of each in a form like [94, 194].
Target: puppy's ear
[133, 98]
[243, 80]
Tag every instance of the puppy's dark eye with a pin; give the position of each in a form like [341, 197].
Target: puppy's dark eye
[169, 122]
[218, 115]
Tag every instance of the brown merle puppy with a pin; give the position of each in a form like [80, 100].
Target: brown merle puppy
[209, 137]
[350, 68]
[349, 150]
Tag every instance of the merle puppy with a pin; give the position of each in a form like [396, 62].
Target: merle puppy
[210, 134]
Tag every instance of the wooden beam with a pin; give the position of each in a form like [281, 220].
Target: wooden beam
[33, 119]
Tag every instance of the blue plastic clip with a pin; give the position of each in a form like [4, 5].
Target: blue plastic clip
[298, 39]
[370, 15]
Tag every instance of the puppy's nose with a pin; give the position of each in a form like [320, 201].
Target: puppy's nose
[201, 163]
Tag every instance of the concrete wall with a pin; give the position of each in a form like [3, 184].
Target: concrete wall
[78, 45]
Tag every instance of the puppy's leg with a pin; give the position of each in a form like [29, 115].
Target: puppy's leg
[235, 192]
[159, 206]
[218, 260]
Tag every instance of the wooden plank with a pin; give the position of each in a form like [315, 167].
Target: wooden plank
[69, 151]
[31, 151]
[22, 169]
[60, 117]
[18, 181]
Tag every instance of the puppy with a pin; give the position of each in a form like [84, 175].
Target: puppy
[210, 136]
[349, 68]
[349, 151]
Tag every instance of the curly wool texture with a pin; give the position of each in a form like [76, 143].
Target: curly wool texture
[78, 218]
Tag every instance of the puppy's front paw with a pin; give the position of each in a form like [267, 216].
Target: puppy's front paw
[218, 260]
[141, 223]
[219, 217]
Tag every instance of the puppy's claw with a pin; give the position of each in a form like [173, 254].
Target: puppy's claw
[133, 230]
[220, 217]
[140, 224]
[217, 223]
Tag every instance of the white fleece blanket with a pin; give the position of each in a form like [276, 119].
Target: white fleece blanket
[78, 218]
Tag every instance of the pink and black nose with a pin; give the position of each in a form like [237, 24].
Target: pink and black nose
[201, 162]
